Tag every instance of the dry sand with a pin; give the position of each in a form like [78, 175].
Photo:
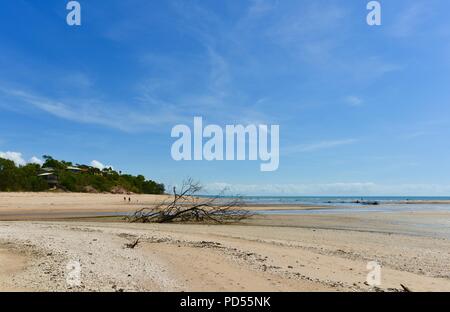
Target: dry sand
[45, 206]
[267, 253]
[18, 206]
[11, 263]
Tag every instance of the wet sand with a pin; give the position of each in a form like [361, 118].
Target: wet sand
[47, 206]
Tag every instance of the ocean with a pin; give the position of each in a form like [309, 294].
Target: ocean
[353, 204]
[338, 200]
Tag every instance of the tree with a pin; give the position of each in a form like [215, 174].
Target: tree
[50, 162]
[25, 178]
[9, 176]
[187, 206]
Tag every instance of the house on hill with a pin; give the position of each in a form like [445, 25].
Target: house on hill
[50, 177]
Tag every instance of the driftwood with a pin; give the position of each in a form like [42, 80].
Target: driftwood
[406, 289]
[133, 244]
[187, 206]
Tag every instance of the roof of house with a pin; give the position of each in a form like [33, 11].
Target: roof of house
[45, 174]
[73, 168]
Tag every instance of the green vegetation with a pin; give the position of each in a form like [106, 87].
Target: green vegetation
[82, 178]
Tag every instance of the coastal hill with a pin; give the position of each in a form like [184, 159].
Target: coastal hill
[62, 175]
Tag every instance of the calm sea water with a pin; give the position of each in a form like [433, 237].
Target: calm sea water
[354, 204]
[337, 200]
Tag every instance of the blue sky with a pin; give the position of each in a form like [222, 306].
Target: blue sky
[362, 110]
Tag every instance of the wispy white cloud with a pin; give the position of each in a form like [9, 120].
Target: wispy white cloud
[317, 36]
[202, 24]
[416, 134]
[353, 100]
[259, 8]
[313, 147]
[410, 19]
[78, 80]
[369, 68]
[95, 112]
[219, 74]
[305, 21]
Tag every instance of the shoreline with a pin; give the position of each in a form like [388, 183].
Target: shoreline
[57, 206]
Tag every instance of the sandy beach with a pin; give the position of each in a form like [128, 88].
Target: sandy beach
[311, 252]
[45, 206]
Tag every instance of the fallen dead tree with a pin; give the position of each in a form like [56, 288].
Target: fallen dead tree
[187, 206]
